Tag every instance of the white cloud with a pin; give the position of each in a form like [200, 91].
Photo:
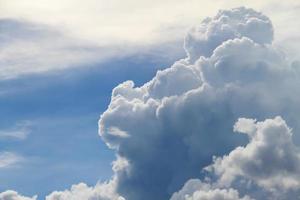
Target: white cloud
[270, 160]
[203, 39]
[81, 191]
[28, 48]
[196, 190]
[266, 168]
[20, 131]
[31, 48]
[85, 32]
[12, 195]
[115, 21]
[9, 159]
[104, 191]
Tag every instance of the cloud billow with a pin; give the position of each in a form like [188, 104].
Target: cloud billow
[194, 189]
[12, 195]
[203, 39]
[179, 120]
[266, 168]
[104, 191]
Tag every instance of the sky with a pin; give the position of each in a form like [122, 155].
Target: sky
[40, 112]
[130, 100]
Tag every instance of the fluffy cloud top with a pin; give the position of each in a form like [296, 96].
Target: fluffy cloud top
[270, 160]
[227, 24]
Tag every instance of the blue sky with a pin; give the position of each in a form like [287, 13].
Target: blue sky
[64, 107]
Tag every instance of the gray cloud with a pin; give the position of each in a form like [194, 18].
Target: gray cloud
[176, 122]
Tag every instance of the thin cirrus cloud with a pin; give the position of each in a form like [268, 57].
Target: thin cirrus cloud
[9, 159]
[184, 119]
[19, 132]
[28, 47]
[114, 21]
[41, 37]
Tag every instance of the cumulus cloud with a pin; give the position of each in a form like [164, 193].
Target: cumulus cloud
[104, 191]
[12, 195]
[266, 168]
[81, 191]
[227, 24]
[270, 159]
[177, 121]
[194, 189]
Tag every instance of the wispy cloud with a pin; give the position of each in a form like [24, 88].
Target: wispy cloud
[67, 33]
[9, 159]
[131, 21]
[33, 48]
[28, 48]
[20, 131]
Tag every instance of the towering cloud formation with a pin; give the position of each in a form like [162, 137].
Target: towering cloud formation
[167, 130]
[202, 40]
